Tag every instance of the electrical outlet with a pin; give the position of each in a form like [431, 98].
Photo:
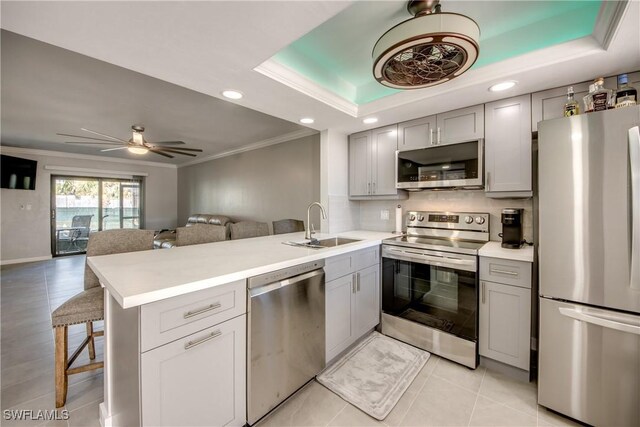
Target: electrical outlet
[384, 214]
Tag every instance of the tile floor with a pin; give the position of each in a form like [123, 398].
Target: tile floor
[443, 394]
[28, 294]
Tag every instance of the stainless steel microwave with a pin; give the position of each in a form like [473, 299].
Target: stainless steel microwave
[459, 165]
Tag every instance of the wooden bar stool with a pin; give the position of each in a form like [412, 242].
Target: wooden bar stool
[88, 306]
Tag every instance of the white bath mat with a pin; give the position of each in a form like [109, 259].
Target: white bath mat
[374, 375]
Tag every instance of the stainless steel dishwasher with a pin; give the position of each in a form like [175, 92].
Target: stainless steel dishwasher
[286, 334]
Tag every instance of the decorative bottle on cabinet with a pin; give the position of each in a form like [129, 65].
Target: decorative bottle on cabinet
[626, 96]
[602, 97]
[571, 107]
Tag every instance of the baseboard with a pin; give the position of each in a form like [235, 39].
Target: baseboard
[22, 260]
[105, 420]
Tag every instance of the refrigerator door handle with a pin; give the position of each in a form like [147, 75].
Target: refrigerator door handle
[601, 321]
[634, 160]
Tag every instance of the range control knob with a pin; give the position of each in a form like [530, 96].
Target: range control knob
[412, 217]
[479, 220]
[468, 219]
[420, 218]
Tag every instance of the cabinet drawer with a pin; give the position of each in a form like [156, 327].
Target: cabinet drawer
[516, 273]
[366, 258]
[173, 318]
[342, 265]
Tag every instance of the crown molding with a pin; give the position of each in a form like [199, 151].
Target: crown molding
[7, 149]
[254, 146]
[608, 21]
[285, 75]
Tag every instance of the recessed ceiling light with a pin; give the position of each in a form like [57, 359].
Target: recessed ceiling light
[232, 94]
[503, 86]
[307, 120]
[370, 120]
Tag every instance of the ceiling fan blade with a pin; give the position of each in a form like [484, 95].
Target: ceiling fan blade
[92, 142]
[197, 150]
[84, 137]
[169, 150]
[114, 149]
[161, 153]
[106, 136]
[169, 143]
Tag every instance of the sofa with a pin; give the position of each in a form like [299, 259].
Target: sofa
[167, 238]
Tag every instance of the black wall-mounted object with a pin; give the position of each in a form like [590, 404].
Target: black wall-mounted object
[17, 173]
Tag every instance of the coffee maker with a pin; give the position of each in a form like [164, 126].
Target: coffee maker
[512, 228]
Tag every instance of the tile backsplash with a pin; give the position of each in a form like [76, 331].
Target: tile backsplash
[458, 201]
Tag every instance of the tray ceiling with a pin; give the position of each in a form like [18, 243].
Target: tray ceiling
[337, 54]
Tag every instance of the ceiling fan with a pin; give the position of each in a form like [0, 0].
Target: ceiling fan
[136, 144]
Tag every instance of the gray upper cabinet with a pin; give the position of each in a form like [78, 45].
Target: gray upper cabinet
[418, 133]
[360, 164]
[461, 125]
[372, 163]
[451, 127]
[549, 104]
[508, 147]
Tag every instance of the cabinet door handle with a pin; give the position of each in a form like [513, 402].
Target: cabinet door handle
[353, 283]
[482, 285]
[368, 188]
[438, 143]
[431, 136]
[510, 273]
[487, 188]
[210, 307]
[204, 339]
[374, 188]
[358, 282]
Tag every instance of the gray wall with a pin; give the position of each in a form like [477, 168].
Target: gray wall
[267, 184]
[460, 201]
[26, 233]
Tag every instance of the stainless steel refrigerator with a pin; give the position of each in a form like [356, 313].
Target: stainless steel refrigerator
[589, 259]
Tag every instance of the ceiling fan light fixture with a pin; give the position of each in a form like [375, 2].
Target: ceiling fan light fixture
[138, 150]
[431, 48]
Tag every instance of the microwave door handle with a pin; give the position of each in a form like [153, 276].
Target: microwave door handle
[634, 160]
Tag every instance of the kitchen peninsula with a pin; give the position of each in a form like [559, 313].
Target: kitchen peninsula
[160, 304]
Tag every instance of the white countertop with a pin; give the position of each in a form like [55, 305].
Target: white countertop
[138, 278]
[495, 250]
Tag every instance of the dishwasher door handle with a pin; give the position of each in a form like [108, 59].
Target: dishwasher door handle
[286, 282]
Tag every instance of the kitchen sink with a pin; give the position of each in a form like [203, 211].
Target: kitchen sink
[335, 241]
[323, 243]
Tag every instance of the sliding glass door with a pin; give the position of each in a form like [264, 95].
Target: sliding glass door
[81, 205]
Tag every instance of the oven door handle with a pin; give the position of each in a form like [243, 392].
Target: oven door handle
[421, 258]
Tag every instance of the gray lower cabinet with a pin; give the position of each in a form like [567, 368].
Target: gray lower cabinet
[372, 164]
[505, 311]
[508, 147]
[198, 380]
[352, 300]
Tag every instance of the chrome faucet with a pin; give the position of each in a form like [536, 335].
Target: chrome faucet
[308, 232]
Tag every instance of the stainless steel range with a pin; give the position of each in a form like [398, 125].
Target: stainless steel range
[430, 283]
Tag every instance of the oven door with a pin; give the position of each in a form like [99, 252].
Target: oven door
[431, 288]
[441, 166]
